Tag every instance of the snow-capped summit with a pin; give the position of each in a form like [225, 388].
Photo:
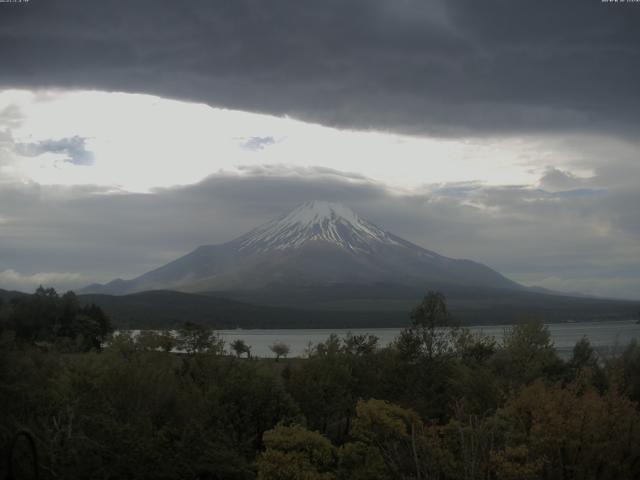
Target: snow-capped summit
[316, 244]
[316, 222]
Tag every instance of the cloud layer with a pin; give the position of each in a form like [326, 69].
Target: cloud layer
[412, 65]
[28, 283]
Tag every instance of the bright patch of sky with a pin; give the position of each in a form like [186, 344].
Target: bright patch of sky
[139, 142]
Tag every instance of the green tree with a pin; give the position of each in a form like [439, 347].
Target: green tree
[360, 461]
[295, 453]
[395, 434]
[148, 340]
[363, 344]
[527, 354]
[395, 437]
[629, 365]
[194, 338]
[431, 333]
[48, 317]
[323, 387]
[584, 356]
[330, 347]
[432, 312]
[585, 363]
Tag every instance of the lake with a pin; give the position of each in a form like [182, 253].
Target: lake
[606, 337]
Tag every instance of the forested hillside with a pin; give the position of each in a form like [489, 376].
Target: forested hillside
[438, 403]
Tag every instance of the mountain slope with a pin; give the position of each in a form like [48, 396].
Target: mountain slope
[317, 244]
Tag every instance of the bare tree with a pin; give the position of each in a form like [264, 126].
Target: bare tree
[280, 349]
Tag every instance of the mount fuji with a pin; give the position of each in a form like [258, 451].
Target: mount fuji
[318, 244]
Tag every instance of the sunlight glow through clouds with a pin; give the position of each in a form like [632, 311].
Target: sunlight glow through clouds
[140, 142]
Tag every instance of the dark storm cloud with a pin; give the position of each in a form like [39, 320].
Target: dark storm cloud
[73, 148]
[583, 242]
[416, 66]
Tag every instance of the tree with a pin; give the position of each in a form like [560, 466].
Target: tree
[166, 340]
[240, 347]
[515, 463]
[330, 347]
[93, 324]
[48, 317]
[360, 344]
[194, 338]
[395, 437]
[323, 387]
[431, 333]
[391, 430]
[4, 312]
[462, 448]
[630, 366]
[280, 349]
[150, 340]
[431, 312]
[295, 453]
[34, 318]
[474, 348]
[583, 354]
[585, 362]
[527, 353]
[571, 432]
[360, 461]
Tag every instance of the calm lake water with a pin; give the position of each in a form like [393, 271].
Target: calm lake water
[606, 337]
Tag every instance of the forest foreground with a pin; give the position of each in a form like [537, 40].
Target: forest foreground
[439, 402]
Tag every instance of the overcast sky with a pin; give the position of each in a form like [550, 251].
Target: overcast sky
[505, 132]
